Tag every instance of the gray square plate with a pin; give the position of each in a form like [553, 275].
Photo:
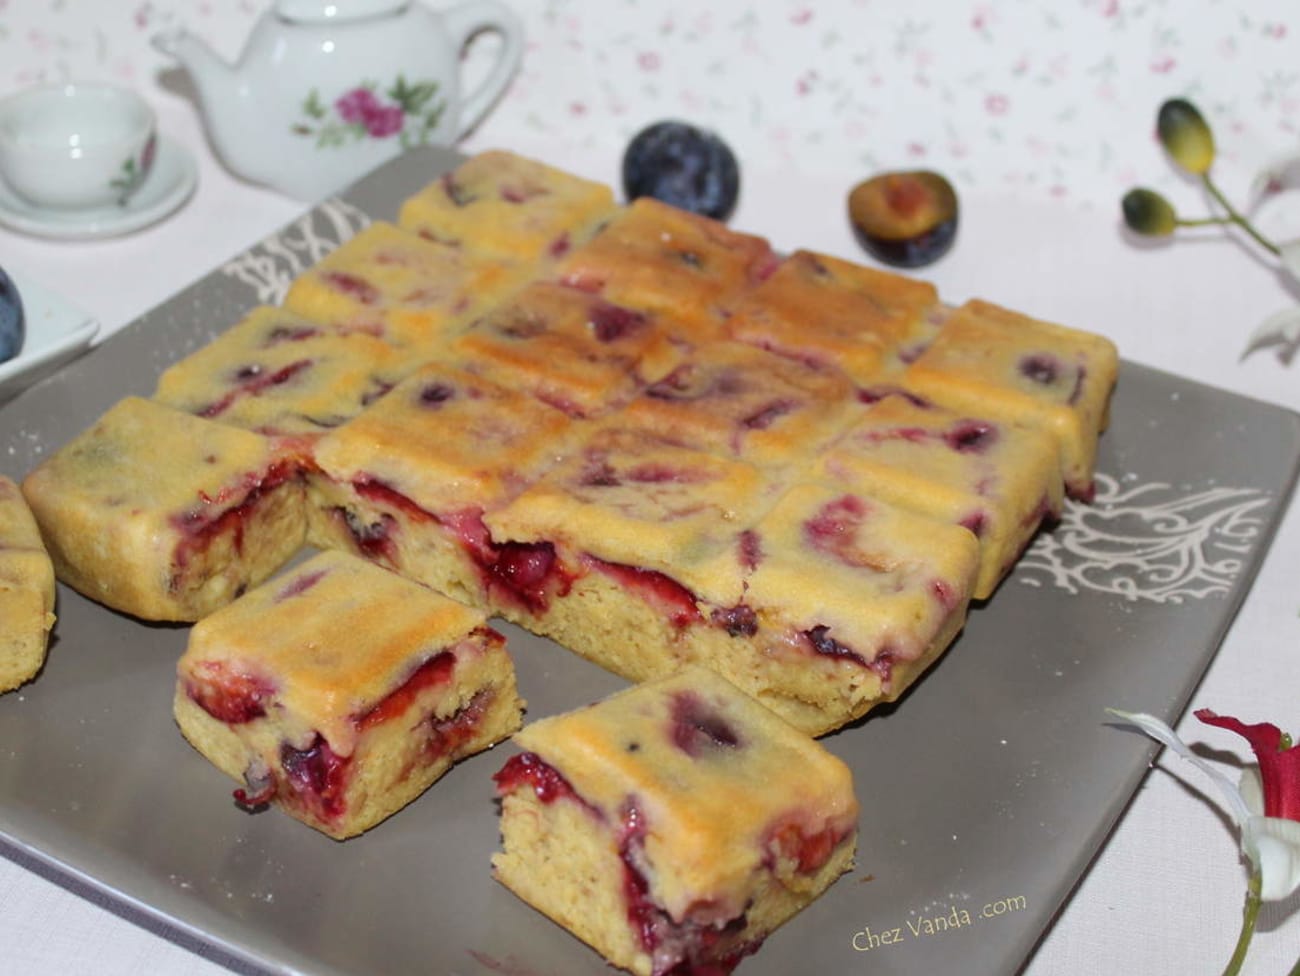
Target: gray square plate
[985, 792]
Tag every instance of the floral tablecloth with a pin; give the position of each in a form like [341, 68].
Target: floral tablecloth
[1041, 113]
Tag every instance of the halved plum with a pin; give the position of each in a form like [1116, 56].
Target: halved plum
[906, 219]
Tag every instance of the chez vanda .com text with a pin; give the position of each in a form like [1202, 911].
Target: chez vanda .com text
[921, 925]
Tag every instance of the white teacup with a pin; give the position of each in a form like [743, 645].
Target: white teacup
[76, 146]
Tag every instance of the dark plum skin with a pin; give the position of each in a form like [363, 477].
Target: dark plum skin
[905, 219]
[12, 323]
[684, 166]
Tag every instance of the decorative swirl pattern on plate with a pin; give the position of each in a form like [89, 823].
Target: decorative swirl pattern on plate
[269, 268]
[1151, 541]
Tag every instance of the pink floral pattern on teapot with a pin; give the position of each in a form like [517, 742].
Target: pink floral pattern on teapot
[410, 111]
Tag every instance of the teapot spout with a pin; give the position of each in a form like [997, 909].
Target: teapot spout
[217, 85]
[207, 70]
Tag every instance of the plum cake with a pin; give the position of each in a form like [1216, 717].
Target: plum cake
[816, 601]
[574, 350]
[824, 310]
[26, 590]
[996, 363]
[339, 692]
[632, 429]
[506, 206]
[621, 518]
[848, 600]
[278, 373]
[164, 515]
[997, 479]
[653, 257]
[400, 287]
[745, 403]
[674, 825]
[406, 482]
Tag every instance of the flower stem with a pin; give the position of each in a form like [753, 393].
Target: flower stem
[1236, 217]
[1249, 915]
[1204, 221]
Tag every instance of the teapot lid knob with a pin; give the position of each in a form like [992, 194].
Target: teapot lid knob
[335, 11]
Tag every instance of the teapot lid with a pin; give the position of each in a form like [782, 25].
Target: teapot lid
[335, 11]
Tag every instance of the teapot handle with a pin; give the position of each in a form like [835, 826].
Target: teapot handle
[463, 22]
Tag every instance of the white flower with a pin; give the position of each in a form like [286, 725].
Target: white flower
[1270, 843]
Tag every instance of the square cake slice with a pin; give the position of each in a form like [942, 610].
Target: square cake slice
[824, 310]
[26, 590]
[569, 348]
[278, 373]
[400, 287]
[997, 479]
[407, 481]
[850, 600]
[164, 515]
[993, 362]
[742, 402]
[627, 498]
[624, 519]
[674, 825]
[502, 205]
[339, 691]
[658, 258]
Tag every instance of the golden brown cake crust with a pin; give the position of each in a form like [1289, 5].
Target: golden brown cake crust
[504, 205]
[340, 691]
[278, 373]
[27, 592]
[829, 311]
[164, 515]
[681, 822]
[999, 363]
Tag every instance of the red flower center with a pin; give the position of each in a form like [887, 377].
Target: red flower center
[1279, 762]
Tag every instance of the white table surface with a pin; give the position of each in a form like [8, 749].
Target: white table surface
[1042, 114]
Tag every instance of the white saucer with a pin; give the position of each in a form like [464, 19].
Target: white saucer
[57, 332]
[169, 184]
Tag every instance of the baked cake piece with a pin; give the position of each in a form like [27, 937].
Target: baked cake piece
[818, 602]
[1001, 364]
[624, 516]
[820, 309]
[406, 482]
[400, 287]
[26, 591]
[164, 515]
[508, 206]
[658, 258]
[742, 402]
[278, 373]
[572, 349]
[997, 479]
[673, 825]
[846, 599]
[340, 692]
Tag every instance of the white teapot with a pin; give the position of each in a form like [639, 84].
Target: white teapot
[326, 90]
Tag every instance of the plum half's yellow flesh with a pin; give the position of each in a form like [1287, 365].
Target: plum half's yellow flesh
[905, 219]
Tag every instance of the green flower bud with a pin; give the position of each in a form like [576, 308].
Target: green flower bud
[1185, 135]
[1147, 212]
